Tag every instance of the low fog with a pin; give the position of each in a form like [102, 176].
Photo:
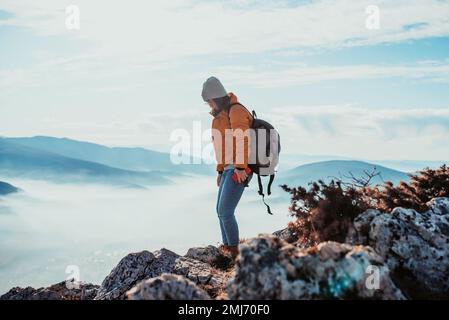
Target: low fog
[48, 227]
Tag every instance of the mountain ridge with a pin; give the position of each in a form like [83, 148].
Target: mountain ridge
[21, 161]
[6, 188]
[126, 158]
[332, 169]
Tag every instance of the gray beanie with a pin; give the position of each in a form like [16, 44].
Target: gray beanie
[213, 89]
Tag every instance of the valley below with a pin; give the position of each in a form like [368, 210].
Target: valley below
[50, 227]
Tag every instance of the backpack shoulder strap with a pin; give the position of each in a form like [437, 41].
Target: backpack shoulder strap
[254, 114]
[259, 180]
[238, 103]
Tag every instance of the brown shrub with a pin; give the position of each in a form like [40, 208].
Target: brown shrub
[423, 187]
[325, 211]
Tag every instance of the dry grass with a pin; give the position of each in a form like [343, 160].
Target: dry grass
[222, 292]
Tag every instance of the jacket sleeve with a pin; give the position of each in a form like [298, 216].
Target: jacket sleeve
[220, 168]
[217, 143]
[240, 119]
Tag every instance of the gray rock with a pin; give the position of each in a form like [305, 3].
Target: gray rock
[207, 254]
[59, 291]
[414, 245]
[287, 235]
[131, 269]
[270, 268]
[406, 249]
[18, 293]
[146, 265]
[167, 287]
[197, 271]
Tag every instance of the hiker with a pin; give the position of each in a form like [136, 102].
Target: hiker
[228, 115]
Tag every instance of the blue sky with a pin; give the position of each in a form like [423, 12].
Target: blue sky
[133, 72]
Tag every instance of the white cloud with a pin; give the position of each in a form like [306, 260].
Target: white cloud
[132, 39]
[85, 71]
[129, 45]
[344, 130]
[294, 74]
[168, 29]
[151, 130]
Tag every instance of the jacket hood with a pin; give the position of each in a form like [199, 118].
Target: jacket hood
[233, 97]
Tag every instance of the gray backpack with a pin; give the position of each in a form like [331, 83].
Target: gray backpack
[264, 153]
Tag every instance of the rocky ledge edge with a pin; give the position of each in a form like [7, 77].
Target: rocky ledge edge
[399, 255]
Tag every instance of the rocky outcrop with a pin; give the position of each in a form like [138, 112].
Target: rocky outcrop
[210, 255]
[130, 270]
[145, 265]
[207, 254]
[397, 255]
[415, 246]
[270, 268]
[167, 287]
[287, 235]
[61, 291]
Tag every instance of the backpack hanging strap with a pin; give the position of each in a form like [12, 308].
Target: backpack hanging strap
[270, 183]
[254, 114]
[259, 180]
[236, 104]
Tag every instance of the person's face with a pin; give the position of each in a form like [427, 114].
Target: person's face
[212, 104]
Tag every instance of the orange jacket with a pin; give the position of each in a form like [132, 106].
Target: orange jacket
[226, 124]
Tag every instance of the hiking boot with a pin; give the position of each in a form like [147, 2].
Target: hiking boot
[234, 251]
[224, 249]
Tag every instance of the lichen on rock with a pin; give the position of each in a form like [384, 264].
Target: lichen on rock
[167, 287]
[146, 265]
[414, 245]
[270, 268]
[399, 255]
[66, 290]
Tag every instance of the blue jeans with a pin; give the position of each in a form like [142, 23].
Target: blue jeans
[229, 194]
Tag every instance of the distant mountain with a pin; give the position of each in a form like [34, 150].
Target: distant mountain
[411, 165]
[326, 170]
[290, 161]
[136, 159]
[20, 161]
[6, 188]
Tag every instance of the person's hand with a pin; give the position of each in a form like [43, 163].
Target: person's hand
[218, 179]
[241, 175]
